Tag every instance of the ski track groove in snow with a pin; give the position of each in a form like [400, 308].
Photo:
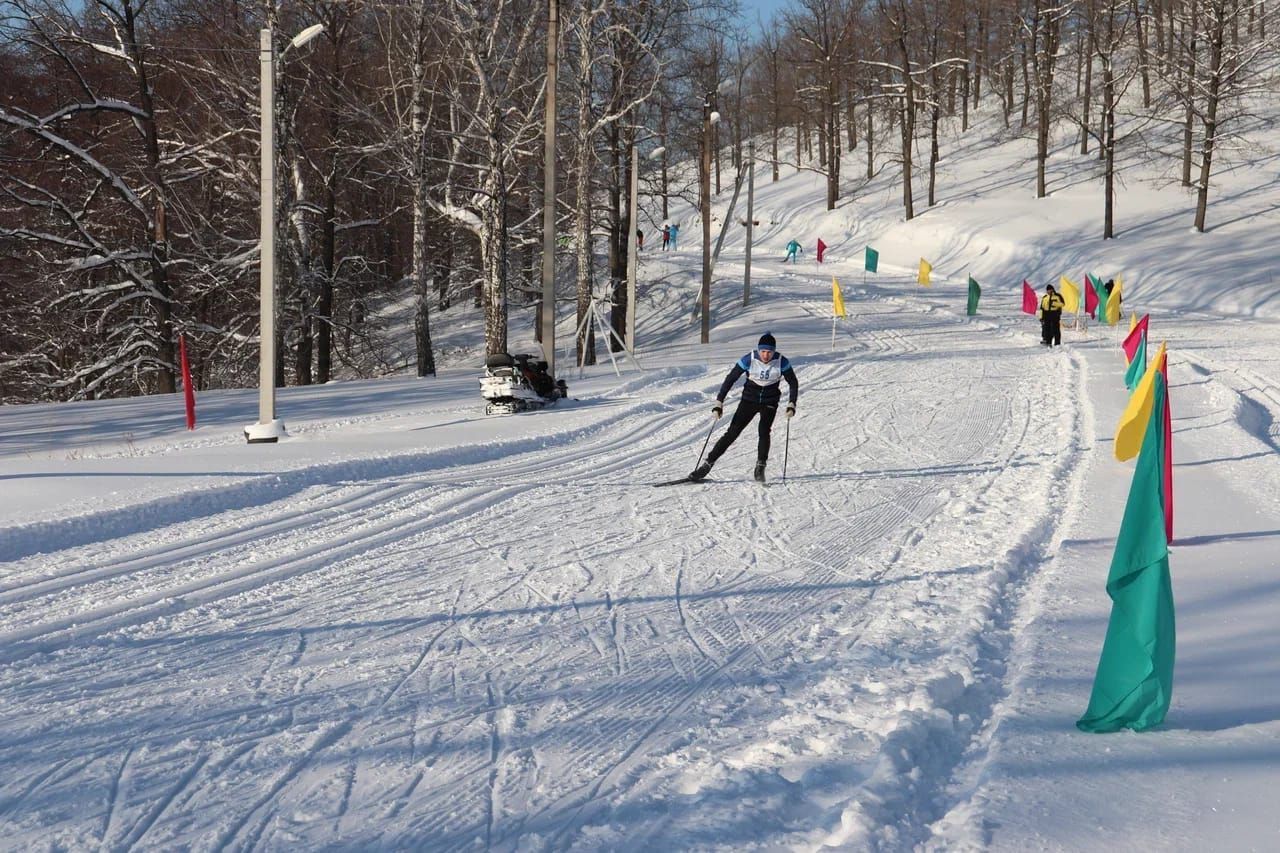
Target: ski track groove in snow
[510, 696]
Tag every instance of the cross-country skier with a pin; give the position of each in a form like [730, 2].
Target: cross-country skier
[1051, 305]
[675, 236]
[792, 249]
[765, 368]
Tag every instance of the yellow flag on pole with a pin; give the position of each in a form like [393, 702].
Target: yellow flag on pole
[837, 300]
[1133, 423]
[1070, 294]
[1133, 321]
[925, 269]
[1113, 303]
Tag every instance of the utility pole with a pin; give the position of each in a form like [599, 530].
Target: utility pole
[548, 308]
[751, 213]
[633, 225]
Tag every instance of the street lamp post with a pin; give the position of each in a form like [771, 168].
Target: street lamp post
[269, 428]
[709, 118]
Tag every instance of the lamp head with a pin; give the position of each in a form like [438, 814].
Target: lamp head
[307, 35]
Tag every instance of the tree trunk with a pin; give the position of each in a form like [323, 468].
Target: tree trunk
[1026, 83]
[833, 138]
[1190, 72]
[908, 119]
[1088, 91]
[426, 361]
[324, 302]
[1217, 40]
[622, 236]
[493, 251]
[158, 251]
[933, 153]
[871, 164]
[1144, 59]
[1109, 145]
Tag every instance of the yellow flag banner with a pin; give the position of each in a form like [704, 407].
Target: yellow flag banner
[1070, 294]
[1133, 320]
[925, 269]
[1133, 423]
[837, 300]
[1113, 303]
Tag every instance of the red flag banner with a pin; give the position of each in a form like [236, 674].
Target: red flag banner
[1167, 479]
[822, 247]
[188, 392]
[1134, 338]
[1090, 297]
[1029, 301]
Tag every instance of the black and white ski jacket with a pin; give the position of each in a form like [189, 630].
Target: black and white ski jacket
[763, 383]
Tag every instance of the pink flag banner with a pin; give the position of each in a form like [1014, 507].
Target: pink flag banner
[1134, 338]
[1090, 297]
[1029, 301]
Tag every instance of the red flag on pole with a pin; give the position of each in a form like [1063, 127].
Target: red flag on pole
[1131, 342]
[187, 391]
[1029, 301]
[1090, 297]
[1167, 479]
[822, 247]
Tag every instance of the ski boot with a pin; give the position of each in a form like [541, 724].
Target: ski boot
[759, 475]
[700, 473]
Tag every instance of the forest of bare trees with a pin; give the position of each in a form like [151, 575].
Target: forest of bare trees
[410, 164]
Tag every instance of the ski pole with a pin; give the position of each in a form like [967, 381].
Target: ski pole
[706, 442]
[786, 450]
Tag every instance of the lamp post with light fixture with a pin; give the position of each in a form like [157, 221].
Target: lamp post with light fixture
[269, 428]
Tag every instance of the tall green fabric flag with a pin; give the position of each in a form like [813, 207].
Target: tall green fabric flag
[1134, 682]
[1102, 299]
[873, 259]
[975, 293]
[1138, 366]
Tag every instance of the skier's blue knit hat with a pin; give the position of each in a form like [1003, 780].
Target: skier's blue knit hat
[768, 342]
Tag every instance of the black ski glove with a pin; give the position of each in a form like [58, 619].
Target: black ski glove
[791, 410]
[716, 411]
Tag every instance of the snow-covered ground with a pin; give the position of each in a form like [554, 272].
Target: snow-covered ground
[412, 626]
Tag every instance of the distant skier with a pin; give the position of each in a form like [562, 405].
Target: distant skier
[793, 248]
[1051, 317]
[666, 236]
[1109, 287]
[639, 240]
[765, 368]
[675, 235]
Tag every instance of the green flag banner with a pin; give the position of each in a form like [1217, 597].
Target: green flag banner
[1138, 366]
[873, 259]
[1134, 683]
[975, 293]
[1102, 299]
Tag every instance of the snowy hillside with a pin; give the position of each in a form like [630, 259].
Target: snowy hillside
[410, 626]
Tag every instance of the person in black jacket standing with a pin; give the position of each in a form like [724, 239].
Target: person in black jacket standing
[1051, 305]
[765, 368]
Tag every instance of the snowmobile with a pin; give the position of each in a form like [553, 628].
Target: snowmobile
[517, 383]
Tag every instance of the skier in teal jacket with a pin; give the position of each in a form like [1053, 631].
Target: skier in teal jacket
[793, 248]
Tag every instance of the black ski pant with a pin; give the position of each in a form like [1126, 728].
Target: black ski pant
[741, 417]
[1053, 328]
